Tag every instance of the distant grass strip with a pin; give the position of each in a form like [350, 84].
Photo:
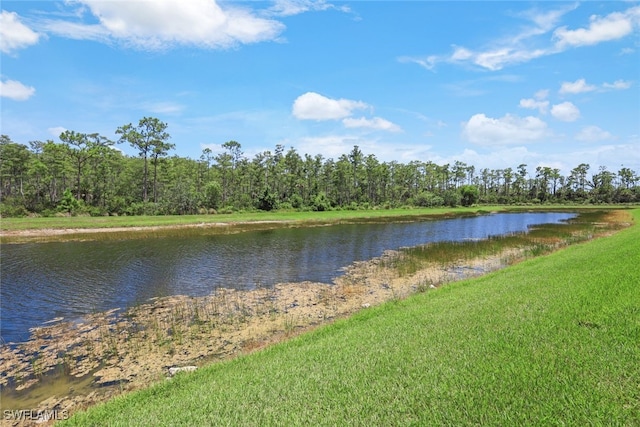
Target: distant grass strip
[78, 222]
[550, 341]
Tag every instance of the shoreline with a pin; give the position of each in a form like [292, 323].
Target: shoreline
[44, 232]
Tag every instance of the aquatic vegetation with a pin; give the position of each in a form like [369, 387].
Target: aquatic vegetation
[540, 239]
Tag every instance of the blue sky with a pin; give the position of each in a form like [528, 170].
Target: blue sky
[493, 84]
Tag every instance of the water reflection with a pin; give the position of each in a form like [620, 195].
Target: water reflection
[41, 281]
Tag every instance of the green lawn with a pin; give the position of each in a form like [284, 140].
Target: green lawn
[551, 341]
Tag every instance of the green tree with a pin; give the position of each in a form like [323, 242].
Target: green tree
[82, 147]
[469, 195]
[149, 134]
[160, 150]
[14, 163]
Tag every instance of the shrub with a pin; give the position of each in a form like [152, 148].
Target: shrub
[321, 203]
[13, 207]
[268, 201]
[469, 195]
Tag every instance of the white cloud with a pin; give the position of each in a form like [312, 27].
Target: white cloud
[534, 104]
[429, 62]
[579, 86]
[509, 129]
[333, 146]
[513, 49]
[295, 7]
[330, 146]
[618, 85]
[541, 94]
[614, 26]
[56, 131]
[313, 106]
[566, 111]
[499, 58]
[593, 134]
[161, 24]
[163, 107]
[15, 90]
[529, 43]
[376, 123]
[14, 34]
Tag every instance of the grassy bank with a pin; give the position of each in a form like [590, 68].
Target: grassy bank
[553, 340]
[87, 222]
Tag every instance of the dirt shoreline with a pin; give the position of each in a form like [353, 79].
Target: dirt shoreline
[44, 232]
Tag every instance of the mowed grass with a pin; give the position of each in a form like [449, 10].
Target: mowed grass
[551, 341]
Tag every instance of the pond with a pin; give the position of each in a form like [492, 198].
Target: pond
[43, 281]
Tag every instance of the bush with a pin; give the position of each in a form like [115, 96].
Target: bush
[268, 201]
[13, 207]
[321, 203]
[212, 195]
[427, 199]
[469, 195]
[296, 201]
[141, 208]
[452, 198]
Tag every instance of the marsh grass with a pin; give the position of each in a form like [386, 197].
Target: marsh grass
[539, 239]
[553, 340]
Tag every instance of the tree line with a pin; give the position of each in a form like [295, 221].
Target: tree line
[86, 174]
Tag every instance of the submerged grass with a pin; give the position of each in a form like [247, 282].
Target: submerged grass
[538, 240]
[554, 340]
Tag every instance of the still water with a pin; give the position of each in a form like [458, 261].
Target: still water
[42, 281]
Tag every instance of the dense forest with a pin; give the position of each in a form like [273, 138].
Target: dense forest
[85, 174]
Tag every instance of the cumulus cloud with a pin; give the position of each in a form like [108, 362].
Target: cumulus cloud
[15, 90]
[566, 111]
[534, 104]
[161, 24]
[593, 134]
[579, 86]
[510, 129]
[376, 123]
[538, 102]
[14, 34]
[614, 26]
[313, 106]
